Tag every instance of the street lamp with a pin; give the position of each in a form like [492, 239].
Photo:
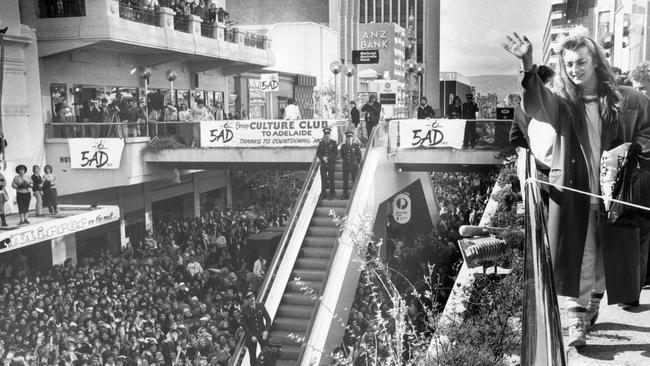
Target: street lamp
[411, 67]
[349, 71]
[171, 75]
[420, 69]
[2, 74]
[335, 68]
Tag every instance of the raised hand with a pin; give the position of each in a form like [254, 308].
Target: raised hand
[519, 47]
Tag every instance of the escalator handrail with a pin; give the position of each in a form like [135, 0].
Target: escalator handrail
[371, 142]
[265, 288]
[538, 261]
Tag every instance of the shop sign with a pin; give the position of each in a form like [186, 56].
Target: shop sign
[431, 133]
[365, 57]
[270, 82]
[255, 93]
[88, 153]
[48, 230]
[402, 208]
[264, 133]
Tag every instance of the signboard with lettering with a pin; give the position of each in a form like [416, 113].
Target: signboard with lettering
[365, 57]
[50, 229]
[402, 208]
[255, 93]
[264, 133]
[430, 133]
[270, 82]
[387, 98]
[88, 153]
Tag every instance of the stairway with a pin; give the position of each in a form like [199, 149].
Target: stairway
[304, 289]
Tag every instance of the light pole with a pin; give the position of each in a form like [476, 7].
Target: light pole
[411, 63]
[335, 68]
[411, 66]
[349, 71]
[420, 69]
[171, 75]
[2, 74]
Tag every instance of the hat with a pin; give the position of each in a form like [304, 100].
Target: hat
[19, 167]
[326, 131]
[468, 95]
[349, 133]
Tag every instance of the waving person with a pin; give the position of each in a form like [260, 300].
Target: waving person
[590, 114]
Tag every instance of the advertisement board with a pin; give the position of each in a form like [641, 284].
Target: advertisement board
[88, 153]
[431, 133]
[264, 133]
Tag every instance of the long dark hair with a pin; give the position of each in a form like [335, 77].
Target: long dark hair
[608, 94]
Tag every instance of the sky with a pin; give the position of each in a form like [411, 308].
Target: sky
[471, 33]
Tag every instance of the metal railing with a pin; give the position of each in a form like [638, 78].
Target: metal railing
[254, 40]
[135, 14]
[207, 30]
[230, 35]
[264, 290]
[542, 342]
[61, 8]
[375, 139]
[182, 24]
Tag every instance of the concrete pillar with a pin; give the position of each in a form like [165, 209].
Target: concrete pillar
[196, 195]
[218, 31]
[64, 247]
[166, 18]
[195, 25]
[148, 206]
[123, 239]
[228, 188]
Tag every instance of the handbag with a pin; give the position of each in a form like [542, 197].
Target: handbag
[632, 185]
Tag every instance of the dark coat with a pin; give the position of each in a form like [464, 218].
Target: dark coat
[425, 112]
[568, 212]
[255, 321]
[327, 149]
[350, 156]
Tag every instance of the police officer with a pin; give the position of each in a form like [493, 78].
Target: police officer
[256, 323]
[327, 152]
[351, 156]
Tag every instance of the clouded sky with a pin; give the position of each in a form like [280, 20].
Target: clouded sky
[471, 33]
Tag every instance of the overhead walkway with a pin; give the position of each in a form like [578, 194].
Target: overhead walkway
[491, 140]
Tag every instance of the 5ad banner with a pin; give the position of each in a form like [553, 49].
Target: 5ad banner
[265, 133]
[431, 133]
[88, 153]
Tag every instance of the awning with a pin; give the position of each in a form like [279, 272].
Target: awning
[74, 218]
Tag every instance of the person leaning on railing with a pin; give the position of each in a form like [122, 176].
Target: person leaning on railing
[590, 114]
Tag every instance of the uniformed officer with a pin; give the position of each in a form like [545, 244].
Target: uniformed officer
[327, 152]
[351, 156]
[256, 323]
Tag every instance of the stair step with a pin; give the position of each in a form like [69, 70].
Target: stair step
[324, 253]
[319, 242]
[296, 311]
[325, 211]
[288, 353]
[296, 325]
[331, 232]
[286, 338]
[323, 221]
[308, 275]
[298, 299]
[305, 287]
[338, 193]
[312, 263]
[333, 203]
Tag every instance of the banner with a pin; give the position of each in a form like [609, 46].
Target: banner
[255, 93]
[87, 153]
[265, 133]
[415, 133]
[50, 229]
[270, 82]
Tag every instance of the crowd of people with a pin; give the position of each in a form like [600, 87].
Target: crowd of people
[423, 263]
[41, 186]
[205, 9]
[175, 298]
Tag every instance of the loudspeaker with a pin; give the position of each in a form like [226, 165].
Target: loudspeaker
[195, 80]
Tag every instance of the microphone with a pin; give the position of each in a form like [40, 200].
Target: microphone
[471, 230]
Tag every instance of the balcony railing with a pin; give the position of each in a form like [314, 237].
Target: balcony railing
[206, 30]
[182, 24]
[254, 40]
[139, 15]
[62, 8]
[230, 35]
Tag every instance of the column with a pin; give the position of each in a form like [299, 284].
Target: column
[218, 31]
[64, 247]
[148, 205]
[196, 195]
[195, 25]
[166, 18]
[228, 188]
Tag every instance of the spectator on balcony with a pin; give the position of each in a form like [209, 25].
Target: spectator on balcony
[171, 113]
[95, 115]
[22, 183]
[212, 13]
[187, 9]
[37, 188]
[292, 111]
[49, 190]
[66, 115]
[455, 108]
[136, 116]
[200, 112]
[200, 10]
[221, 15]
[178, 7]
[119, 106]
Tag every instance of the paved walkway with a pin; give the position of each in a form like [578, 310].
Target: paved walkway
[619, 337]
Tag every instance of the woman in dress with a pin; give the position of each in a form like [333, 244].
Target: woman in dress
[22, 183]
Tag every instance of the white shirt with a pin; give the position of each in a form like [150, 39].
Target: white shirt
[541, 138]
[593, 132]
[292, 112]
[258, 268]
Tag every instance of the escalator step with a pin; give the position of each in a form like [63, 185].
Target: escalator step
[323, 253]
[323, 231]
[304, 287]
[296, 325]
[299, 299]
[319, 242]
[286, 338]
[325, 211]
[296, 311]
[312, 263]
[308, 275]
[323, 221]
[289, 353]
[334, 203]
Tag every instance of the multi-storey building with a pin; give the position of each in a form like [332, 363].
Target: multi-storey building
[563, 16]
[83, 51]
[453, 84]
[426, 28]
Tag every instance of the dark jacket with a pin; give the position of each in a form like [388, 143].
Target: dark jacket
[255, 321]
[350, 155]
[37, 183]
[354, 116]
[568, 211]
[372, 112]
[469, 110]
[327, 149]
[425, 112]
